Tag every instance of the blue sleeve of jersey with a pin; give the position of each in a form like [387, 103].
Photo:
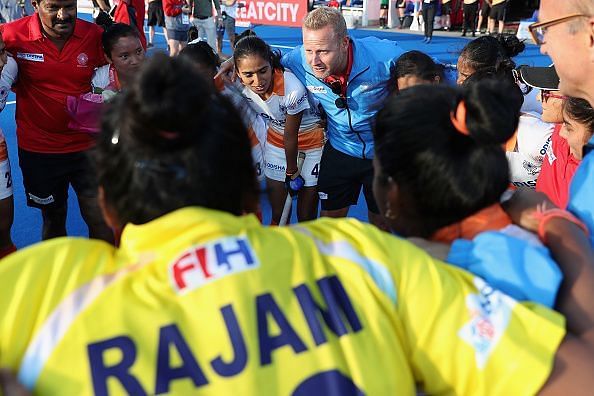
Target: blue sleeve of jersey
[293, 61]
[581, 194]
[523, 271]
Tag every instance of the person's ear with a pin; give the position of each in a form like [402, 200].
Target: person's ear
[345, 42]
[109, 215]
[392, 200]
[35, 4]
[108, 59]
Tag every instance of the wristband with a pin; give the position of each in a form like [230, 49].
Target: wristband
[543, 217]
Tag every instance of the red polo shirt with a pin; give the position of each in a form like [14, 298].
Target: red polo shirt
[46, 77]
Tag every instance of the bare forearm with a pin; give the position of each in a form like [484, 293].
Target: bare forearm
[571, 249]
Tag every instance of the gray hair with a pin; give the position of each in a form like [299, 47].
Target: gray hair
[585, 7]
[326, 16]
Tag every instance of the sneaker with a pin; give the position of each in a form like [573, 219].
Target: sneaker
[463, 34]
[149, 45]
[428, 40]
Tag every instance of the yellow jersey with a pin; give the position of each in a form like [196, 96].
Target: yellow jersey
[203, 302]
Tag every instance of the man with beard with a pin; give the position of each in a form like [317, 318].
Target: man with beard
[56, 55]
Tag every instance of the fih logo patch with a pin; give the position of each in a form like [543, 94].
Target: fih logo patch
[203, 264]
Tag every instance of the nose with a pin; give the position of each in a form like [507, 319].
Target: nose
[315, 59]
[257, 80]
[61, 13]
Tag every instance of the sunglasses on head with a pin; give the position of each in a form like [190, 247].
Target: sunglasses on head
[545, 95]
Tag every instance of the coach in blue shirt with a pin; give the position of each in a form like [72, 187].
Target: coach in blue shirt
[350, 78]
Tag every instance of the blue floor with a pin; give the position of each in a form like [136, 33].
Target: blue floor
[27, 225]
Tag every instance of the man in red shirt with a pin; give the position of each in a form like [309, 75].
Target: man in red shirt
[56, 55]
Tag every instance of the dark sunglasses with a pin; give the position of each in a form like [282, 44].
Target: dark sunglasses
[336, 88]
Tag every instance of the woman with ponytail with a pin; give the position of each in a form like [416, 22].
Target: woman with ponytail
[294, 125]
[490, 58]
[441, 175]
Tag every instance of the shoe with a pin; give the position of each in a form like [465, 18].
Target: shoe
[428, 40]
[424, 39]
[149, 45]
[473, 34]
[463, 34]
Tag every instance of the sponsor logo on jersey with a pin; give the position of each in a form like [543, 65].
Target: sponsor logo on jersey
[322, 195]
[207, 263]
[317, 89]
[489, 311]
[30, 57]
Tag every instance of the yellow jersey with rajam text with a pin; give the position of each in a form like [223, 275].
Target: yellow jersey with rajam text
[203, 302]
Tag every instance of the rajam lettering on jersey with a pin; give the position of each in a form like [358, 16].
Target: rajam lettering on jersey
[203, 264]
[30, 57]
[273, 327]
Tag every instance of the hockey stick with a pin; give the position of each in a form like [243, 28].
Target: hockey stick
[288, 201]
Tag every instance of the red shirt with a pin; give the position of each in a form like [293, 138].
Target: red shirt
[46, 77]
[558, 168]
[122, 15]
[173, 7]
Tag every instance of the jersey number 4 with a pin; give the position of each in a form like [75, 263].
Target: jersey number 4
[316, 170]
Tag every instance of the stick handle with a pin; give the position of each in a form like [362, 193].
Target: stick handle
[289, 200]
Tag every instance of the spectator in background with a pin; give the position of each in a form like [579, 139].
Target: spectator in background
[470, 9]
[177, 22]
[204, 21]
[383, 15]
[227, 23]
[401, 8]
[428, 10]
[131, 12]
[446, 10]
[497, 14]
[414, 68]
[156, 17]
[53, 156]
[484, 15]
[11, 10]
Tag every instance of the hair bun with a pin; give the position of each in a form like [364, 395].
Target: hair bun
[165, 101]
[493, 111]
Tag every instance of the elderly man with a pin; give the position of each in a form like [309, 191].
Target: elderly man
[565, 32]
[56, 55]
